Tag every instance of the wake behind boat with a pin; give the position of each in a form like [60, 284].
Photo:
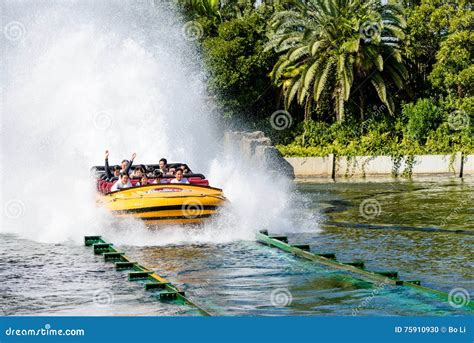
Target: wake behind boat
[156, 197]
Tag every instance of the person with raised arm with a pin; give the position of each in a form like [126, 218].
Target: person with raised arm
[116, 169]
[126, 165]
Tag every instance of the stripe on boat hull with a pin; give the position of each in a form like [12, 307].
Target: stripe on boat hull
[203, 216]
[189, 207]
[170, 217]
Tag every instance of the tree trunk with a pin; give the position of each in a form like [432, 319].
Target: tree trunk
[460, 91]
[361, 105]
[307, 109]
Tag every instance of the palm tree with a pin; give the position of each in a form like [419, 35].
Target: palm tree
[202, 8]
[337, 48]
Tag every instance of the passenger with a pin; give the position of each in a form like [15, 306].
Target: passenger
[185, 169]
[179, 177]
[126, 165]
[122, 182]
[143, 181]
[163, 165]
[116, 169]
[158, 175]
[171, 171]
[137, 172]
[111, 176]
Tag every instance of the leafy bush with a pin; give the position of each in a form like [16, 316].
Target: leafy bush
[312, 133]
[422, 117]
[372, 138]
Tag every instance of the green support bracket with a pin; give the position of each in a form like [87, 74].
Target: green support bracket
[132, 276]
[156, 285]
[91, 240]
[139, 268]
[113, 256]
[170, 295]
[100, 248]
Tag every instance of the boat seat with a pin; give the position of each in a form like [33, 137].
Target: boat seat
[99, 184]
[198, 181]
[108, 186]
[105, 186]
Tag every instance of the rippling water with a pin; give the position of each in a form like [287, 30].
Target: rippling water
[409, 227]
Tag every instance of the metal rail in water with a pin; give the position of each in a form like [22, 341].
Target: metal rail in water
[137, 272]
[356, 267]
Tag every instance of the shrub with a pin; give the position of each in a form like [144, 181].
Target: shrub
[374, 138]
[422, 117]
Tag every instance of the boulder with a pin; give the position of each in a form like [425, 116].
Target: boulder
[254, 135]
[273, 160]
[258, 149]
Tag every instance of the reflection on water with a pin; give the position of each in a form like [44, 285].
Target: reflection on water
[245, 278]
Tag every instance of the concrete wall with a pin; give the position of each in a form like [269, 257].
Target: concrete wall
[468, 165]
[363, 165]
[360, 166]
[310, 166]
[258, 149]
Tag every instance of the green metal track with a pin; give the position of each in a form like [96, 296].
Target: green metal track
[356, 267]
[137, 272]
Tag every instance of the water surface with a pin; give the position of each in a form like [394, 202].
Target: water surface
[422, 229]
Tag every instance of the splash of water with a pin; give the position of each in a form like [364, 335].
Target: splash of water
[82, 77]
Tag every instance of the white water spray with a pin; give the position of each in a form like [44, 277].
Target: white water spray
[82, 77]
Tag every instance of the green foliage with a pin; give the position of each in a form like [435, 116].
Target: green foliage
[333, 58]
[426, 27]
[453, 71]
[195, 9]
[421, 118]
[375, 138]
[326, 47]
[438, 47]
[238, 65]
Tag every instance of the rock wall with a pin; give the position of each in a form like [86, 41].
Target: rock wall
[258, 150]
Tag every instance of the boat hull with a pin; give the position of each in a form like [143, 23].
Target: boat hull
[166, 204]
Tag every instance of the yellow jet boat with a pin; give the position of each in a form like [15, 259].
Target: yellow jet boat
[164, 203]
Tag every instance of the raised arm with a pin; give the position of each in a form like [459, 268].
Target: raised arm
[127, 171]
[107, 169]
